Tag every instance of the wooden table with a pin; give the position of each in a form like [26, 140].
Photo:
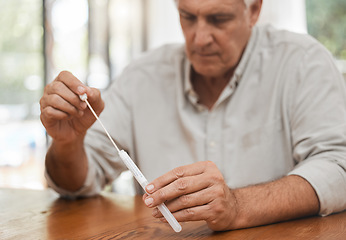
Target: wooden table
[30, 214]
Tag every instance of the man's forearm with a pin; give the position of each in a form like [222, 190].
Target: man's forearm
[67, 165]
[287, 198]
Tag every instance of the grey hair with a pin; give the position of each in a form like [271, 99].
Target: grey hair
[247, 2]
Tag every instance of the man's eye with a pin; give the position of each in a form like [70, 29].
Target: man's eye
[219, 19]
[187, 17]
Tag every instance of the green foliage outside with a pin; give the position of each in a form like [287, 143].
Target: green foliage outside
[21, 35]
[327, 23]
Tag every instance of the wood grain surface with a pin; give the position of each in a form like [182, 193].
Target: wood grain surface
[30, 214]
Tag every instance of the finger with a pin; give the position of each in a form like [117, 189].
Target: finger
[59, 103]
[145, 195]
[187, 201]
[180, 172]
[216, 214]
[60, 89]
[213, 213]
[95, 100]
[197, 213]
[179, 187]
[49, 109]
[52, 113]
[73, 83]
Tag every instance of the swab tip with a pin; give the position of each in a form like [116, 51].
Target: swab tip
[83, 97]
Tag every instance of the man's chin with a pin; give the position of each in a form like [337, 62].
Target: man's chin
[207, 71]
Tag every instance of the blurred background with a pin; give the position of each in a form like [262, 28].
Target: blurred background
[95, 40]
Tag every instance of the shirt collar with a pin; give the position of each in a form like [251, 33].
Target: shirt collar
[188, 89]
[249, 50]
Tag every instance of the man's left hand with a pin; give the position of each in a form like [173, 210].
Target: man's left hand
[192, 193]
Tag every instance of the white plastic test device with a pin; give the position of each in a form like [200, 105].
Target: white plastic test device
[136, 172]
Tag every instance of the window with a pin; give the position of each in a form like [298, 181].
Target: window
[66, 25]
[326, 21]
[22, 138]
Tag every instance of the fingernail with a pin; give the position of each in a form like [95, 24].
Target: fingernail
[83, 105]
[150, 187]
[80, 89]
[149, 201]
[155, 212]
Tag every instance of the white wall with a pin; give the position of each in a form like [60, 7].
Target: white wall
[284, 14]
[164, 26]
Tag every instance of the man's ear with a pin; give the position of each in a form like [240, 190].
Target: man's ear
[255, 10]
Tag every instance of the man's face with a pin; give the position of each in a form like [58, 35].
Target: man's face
[216, 33]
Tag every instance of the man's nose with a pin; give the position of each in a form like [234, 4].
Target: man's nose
[203, 34]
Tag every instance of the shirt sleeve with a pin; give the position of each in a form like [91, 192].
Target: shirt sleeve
[318, 123]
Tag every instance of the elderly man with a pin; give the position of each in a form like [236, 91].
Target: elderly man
[242, 126]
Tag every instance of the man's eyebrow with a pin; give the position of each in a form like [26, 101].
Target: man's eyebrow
[184, 11]
[220, 13]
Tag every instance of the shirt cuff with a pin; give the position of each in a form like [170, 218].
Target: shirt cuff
[328, 180]
[88, 188]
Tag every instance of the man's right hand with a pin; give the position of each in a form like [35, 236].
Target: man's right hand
[65, 117]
